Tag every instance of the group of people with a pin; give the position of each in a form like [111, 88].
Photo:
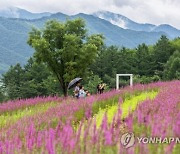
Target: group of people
[80, 92]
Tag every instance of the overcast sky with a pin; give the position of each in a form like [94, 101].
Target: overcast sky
[143, 11]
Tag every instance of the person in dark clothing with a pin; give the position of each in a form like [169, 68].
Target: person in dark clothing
[98, 89]
[102, 88]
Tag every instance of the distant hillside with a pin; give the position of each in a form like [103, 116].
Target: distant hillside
[14, 34]
[21, 13]
[127, 23]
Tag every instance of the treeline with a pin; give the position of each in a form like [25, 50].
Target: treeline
[29, 81]
[147, 63]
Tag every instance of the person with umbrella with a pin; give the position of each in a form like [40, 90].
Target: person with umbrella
[75, 82]
[76, 90]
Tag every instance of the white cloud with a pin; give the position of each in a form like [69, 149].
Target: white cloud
[4, 5]
[150, 11]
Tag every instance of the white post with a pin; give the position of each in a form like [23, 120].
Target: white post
[131, 80]
[117, 79]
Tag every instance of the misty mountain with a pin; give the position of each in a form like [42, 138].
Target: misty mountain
[127, 23]
[14, 35]
[14, 12]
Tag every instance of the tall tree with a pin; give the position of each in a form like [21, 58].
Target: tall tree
[13, 80]
[126, 61]
[172, 67]
[144, 61]
[176, 43]
[162, 51]
[65, 48]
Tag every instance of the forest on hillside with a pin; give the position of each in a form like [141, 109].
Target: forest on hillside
[147, 63]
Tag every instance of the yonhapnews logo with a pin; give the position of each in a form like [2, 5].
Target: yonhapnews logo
[128, 140]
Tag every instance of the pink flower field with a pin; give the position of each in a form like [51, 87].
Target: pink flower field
[95, 124]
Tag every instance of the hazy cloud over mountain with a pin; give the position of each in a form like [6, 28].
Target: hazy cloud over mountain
[150, 11]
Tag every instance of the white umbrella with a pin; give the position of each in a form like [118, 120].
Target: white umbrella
[74, 82]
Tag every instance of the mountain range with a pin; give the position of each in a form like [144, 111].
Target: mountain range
[15, 24]
[127, 23]
[13, 12]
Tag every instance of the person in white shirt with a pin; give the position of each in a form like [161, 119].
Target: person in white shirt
[82, 93]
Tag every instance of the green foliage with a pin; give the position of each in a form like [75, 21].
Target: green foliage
[13, 81]
[172, 67]
[31, 81]
[147, 63]
[176, 43]
[52, 85]
[2, 97]
[34, 76]
[143, 60]
[111, 61]
[109, 80]
[65, 48]
[162, 51]
[92, 83]
[145, 79]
